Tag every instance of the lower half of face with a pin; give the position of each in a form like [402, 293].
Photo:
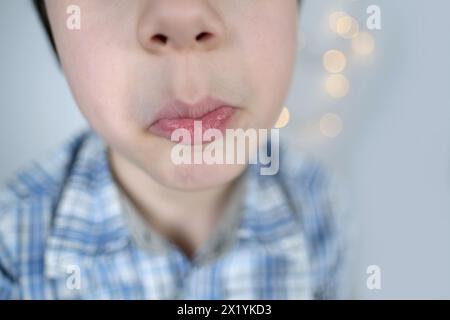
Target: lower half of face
[139, 69]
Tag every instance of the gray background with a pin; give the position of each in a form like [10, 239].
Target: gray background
[391, 159]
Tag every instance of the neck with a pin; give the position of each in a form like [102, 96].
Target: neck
[186, 218]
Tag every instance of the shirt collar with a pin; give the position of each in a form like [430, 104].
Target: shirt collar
[219, 241]
[88, 220]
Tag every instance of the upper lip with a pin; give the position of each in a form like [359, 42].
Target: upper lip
[178, 109]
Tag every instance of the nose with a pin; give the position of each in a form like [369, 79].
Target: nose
[180, 25]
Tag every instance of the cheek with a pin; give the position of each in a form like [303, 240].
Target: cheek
[96, 67]
[270, 55]
[100, 82]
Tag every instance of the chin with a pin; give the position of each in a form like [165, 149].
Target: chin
[198, 177]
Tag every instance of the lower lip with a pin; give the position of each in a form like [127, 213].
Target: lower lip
[217, 119]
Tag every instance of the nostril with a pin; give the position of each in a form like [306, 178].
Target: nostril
[160, 39]
[204, 36]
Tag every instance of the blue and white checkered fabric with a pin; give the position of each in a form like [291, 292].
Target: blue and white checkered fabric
[63, 236]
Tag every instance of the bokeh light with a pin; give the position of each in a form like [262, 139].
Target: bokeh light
[283, 120]
[334, 61]
[347, 27]
[331, 125]
[337, 85]
[363, 43]
[334, 18]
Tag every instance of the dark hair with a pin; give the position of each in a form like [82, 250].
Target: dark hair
[42, 12]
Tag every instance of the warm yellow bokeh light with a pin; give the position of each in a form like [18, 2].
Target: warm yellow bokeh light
[334, 61]
[347, 27]
[337, 85]
[333, 19]
[283, 120]
[363, 43]
[330, 125]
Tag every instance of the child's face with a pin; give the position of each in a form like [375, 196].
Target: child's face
[130, 58]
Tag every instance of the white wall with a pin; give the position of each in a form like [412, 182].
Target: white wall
[392, 155]
[36, 108]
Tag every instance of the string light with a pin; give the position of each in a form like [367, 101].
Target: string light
[334, 18]
[337, 85]
[363, 43]
[347, 27]
[334, 61]
[283, 120]
[330, 125]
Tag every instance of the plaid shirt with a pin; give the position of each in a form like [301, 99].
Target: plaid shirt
[63, 235]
